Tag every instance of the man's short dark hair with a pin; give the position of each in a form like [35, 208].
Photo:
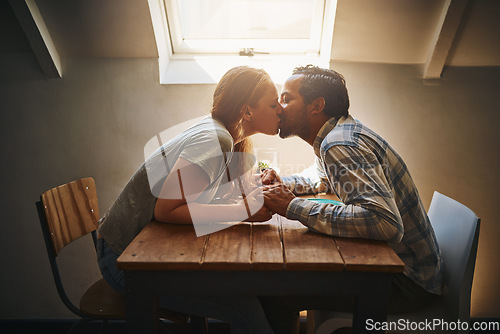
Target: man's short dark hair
[325, 83]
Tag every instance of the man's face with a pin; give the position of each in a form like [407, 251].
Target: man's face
[293, 119]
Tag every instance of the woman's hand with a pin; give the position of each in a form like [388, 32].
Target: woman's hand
[269, 176]
[258, 211]
[263, 215]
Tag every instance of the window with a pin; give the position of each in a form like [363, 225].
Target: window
[245, 27]
[199, 40]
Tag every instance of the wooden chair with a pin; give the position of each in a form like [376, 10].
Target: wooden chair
[457, 232]
[67, 213]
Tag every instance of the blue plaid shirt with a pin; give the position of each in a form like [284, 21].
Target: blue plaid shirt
[380, 198]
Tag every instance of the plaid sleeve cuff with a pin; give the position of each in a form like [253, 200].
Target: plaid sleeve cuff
[298, 209]
[288, 182]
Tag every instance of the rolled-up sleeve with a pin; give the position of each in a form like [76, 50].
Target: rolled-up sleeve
[310, 181]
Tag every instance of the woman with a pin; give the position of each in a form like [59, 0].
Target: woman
[182, 178]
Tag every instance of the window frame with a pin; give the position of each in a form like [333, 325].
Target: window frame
[288, 46]
[209, 68]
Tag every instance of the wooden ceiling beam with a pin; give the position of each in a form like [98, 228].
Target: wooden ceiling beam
[32, 22]
[445, 33]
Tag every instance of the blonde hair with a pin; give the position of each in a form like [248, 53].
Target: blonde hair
[241, 85]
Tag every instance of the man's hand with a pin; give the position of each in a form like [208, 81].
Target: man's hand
[277, 197]
[269, 176]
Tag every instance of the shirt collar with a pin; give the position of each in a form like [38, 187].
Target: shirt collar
[325, 129]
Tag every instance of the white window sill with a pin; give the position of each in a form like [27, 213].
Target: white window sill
[209, 69]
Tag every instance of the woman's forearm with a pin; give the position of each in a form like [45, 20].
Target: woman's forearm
[204, 213]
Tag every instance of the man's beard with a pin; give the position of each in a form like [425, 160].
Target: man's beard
[282, 134]
[301, 129]
[285, 133]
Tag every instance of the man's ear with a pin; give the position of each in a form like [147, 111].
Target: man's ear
[247, 112]
[317, 105]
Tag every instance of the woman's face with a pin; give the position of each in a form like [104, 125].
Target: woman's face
[265, 115]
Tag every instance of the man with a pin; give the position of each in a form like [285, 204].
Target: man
[380, 200]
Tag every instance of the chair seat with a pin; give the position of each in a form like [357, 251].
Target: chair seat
[102, 301]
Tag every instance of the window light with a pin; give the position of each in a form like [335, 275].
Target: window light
[199, 40]
[230, 26]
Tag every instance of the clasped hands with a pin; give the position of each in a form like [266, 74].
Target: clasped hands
[276, 197]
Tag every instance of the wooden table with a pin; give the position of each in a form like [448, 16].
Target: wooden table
[273, 258]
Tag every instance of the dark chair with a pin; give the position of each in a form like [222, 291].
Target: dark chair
[67, 213]
[457, 233]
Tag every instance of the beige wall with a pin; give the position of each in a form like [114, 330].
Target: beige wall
[96, 120]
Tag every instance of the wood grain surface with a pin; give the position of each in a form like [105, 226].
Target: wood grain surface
[71, 211]
[279, 244]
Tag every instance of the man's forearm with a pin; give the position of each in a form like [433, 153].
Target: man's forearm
[346, 220]
[300, 185]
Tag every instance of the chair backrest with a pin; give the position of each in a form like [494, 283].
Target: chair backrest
[457, 232]
[67, 213]
[71, 211]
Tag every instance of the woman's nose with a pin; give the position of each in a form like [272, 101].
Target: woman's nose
[280, 109]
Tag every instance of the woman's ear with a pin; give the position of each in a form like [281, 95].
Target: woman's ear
[247, 112]
[318, 105]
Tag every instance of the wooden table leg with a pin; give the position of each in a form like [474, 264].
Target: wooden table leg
[141, 305]
[371, 304]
